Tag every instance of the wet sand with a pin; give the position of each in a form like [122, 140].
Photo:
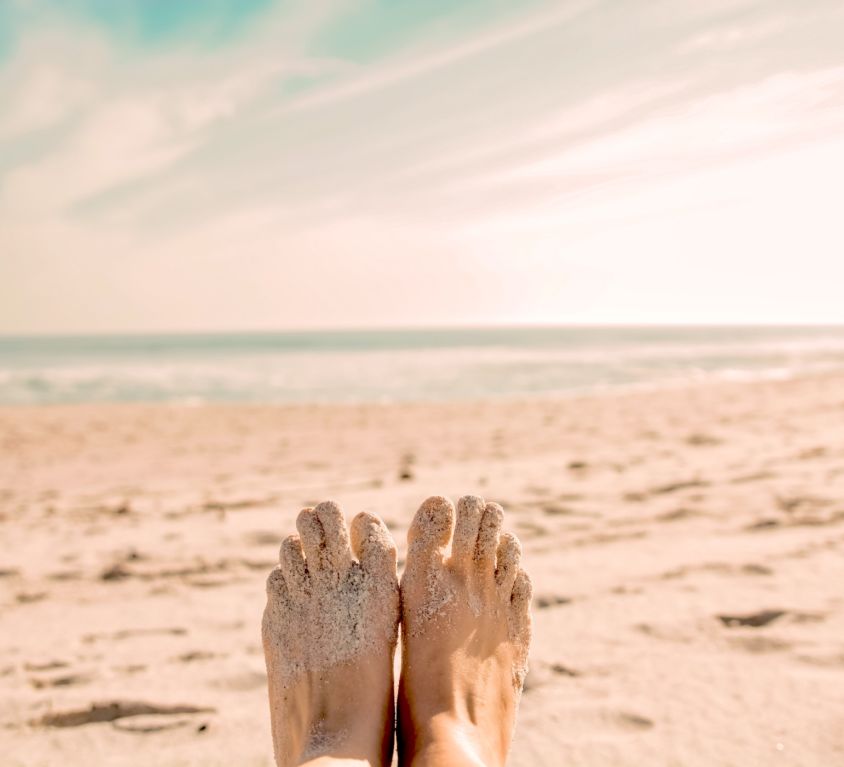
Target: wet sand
[686, 547]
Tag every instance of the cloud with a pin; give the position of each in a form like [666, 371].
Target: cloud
[559, 137]
[121, 121]
[680, 138]
[394, 73]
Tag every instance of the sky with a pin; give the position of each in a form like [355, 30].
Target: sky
[247, 164]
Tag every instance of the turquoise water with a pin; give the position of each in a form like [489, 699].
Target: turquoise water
[399, 365]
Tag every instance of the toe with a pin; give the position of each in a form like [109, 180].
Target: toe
[520, 605]
[374, 546]
[431, 528]
[470, 509]
[313, 539]
[338, 553]
[507, 563]
[488, 533]
[520, 627]
[276, 612]
[292, 560]
[276, 586]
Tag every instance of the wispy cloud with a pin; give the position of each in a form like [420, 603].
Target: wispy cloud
[393, 73]
[566, 134]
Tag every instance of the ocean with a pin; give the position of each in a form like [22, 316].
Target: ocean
[400, 365]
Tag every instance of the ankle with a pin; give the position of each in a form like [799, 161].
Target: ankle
[366, 739]
[345, 750]
[447, 740]
[322, 723]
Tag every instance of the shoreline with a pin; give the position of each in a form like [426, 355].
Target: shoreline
[367, 367]
[703, 381]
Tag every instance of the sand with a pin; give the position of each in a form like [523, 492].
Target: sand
[685, 547]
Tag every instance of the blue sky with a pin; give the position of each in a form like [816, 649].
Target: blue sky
[145, 24]
[255, 164]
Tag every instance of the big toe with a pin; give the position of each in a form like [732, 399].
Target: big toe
[374, 546]
[430, 530]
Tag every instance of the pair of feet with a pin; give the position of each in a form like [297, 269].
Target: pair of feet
[331, 624]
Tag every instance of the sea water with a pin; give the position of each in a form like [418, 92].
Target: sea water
[400, 365]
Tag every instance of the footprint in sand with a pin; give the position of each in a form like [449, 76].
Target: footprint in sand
[754, 620]
[551, 600]
[131, 633]
[755, 569]
[28, 597]
[112, 710]
[50, 665]
[195, 655]
[153, 723]
[65, 680]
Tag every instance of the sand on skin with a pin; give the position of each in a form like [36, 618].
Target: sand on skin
[685, 547]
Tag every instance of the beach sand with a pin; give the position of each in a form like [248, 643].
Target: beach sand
[686, 547]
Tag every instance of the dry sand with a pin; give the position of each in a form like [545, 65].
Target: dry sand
[686, 546]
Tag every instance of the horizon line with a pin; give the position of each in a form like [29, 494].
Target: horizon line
[418, 328]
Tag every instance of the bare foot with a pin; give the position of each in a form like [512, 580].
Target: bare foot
[465, 636]
[329, 634]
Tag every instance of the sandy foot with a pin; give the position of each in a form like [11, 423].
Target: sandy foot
[465, 635]
[329, 633]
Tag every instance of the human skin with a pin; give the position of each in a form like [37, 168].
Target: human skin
[329, 634]
[465, 636]
[330, 631]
